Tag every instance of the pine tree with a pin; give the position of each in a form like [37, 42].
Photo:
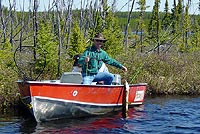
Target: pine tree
[6, 54]
[180, 14]
[78, 43]
[141, 26]
[47, 46]
[186, 26]
[113, 34]
[195, 40]
[107, 24]
[166, 21]
[174, 17]
[154, 25]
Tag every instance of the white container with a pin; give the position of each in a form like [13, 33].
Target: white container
[117, 79]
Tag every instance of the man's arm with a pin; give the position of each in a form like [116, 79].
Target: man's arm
[81, 61]
[110, 61]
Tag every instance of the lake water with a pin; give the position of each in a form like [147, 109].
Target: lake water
[158, 115]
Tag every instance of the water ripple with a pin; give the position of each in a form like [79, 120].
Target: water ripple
[159, 115]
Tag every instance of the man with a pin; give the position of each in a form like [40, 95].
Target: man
[77, 68]
[92, 59]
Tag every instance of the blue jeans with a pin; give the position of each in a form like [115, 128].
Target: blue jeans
[106, 77]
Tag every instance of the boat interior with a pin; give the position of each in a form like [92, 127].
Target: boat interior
[76, 78]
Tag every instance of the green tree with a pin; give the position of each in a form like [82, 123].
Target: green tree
[109, 26]
[8, 75]
[166, 21]
[48, 46]
[113, 34]
[78, 42]
[195, 40]
[141, 26]
[174, 17]
[186, 26]
[180, 14]
[154, 25]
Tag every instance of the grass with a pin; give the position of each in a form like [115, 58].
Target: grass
[166, 74]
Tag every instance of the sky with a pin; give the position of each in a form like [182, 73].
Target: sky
[121, 5]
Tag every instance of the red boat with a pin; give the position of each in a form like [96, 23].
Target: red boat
[68, 98]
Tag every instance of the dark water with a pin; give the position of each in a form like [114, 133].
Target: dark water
[159, 115]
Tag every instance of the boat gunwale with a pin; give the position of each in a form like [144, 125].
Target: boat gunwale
[86, 103]
[53, 82]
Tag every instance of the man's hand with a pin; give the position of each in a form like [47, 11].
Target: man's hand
[87, 59]
[124, 68]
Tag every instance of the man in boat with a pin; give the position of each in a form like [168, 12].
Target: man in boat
[77, 68]
[93, 58]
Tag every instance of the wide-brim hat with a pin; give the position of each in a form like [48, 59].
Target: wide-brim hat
[99, 36]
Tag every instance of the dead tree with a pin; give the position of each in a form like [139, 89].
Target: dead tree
[126, 29]
[69, 22]
[65, 23]
[59, 37]
[35, 25]
[11, 21]
[81, 16]
[22, 26]
[3, 24]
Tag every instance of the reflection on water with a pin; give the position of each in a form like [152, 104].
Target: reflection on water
[101, 124]
[157, 115]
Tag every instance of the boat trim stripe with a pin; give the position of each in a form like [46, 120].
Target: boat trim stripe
[85, 103]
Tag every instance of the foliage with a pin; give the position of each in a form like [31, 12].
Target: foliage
[47, 45]
[195, 39]
[179, 15]
[112, 33]
[166, 21]
[154, 25]
[78, 42]
[109, 27]
[8, 76]
[168, 73]
[141, 24]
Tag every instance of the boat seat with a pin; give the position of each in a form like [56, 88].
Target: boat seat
[71, 77]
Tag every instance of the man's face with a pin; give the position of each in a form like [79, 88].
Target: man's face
[98, 43]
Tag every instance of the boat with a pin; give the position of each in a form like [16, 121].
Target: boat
[67, 98]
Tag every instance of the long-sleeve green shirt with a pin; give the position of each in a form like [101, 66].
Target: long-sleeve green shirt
[96, 60]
